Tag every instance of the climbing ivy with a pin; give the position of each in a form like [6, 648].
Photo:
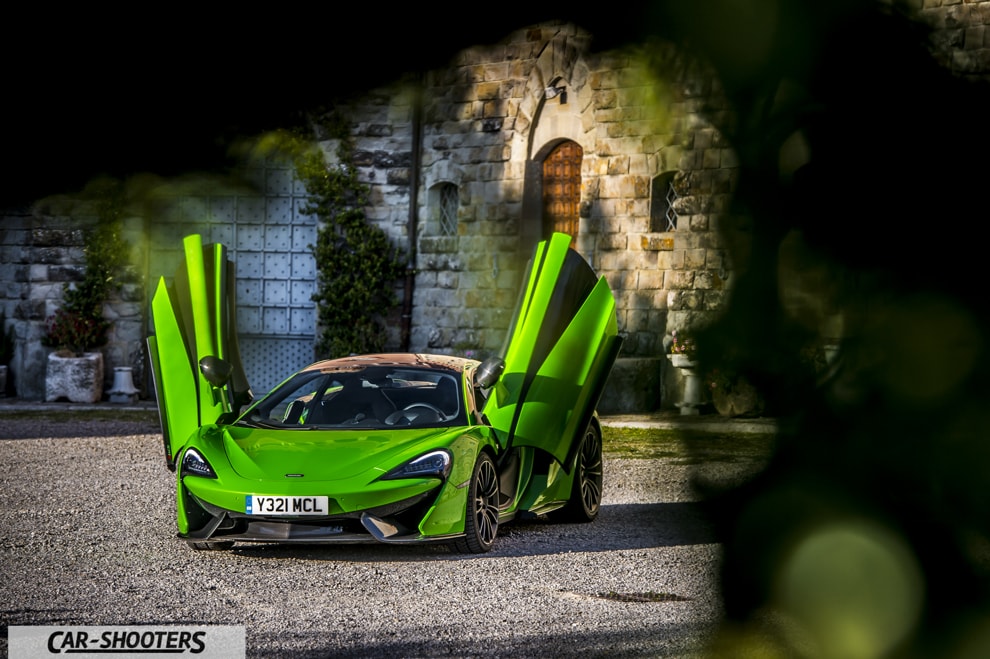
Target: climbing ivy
[357, 265]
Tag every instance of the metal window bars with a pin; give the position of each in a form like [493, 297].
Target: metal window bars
[447, 210]
[670, 214]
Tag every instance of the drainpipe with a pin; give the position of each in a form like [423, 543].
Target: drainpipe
[412, 223]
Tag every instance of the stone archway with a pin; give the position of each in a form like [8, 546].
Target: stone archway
[554, 114]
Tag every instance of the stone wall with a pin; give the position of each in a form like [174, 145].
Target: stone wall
[39, 255]
[961, 33]
[482, 124]
[485, 120]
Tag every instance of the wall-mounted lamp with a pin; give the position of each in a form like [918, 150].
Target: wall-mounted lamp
[553, 90]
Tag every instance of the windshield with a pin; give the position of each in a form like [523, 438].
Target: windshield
[377, 397]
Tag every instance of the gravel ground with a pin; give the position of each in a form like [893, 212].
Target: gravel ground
[87, 538]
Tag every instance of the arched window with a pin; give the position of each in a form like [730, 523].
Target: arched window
[663, 217]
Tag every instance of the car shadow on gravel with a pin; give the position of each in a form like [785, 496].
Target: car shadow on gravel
[619, 527]
[671, 639]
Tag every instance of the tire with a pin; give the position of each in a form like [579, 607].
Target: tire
[586, 493]
[211, 546]
[481, 518]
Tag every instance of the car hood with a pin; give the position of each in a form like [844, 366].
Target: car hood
[268, 454]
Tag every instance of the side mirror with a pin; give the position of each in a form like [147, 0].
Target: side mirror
[215, 370]
[488, 372]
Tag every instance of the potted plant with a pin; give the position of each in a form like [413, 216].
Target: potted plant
[682, 356]
[75, 367]
[6, 350]
[78, 328]
[682, 350]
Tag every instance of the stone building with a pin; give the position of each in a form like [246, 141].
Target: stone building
[535, 134]
[468, 167]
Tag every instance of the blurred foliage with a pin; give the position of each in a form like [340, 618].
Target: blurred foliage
[866, 534]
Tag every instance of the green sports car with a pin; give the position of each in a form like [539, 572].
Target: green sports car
[393, 448]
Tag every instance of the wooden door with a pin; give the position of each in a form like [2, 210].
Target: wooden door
[562, 189]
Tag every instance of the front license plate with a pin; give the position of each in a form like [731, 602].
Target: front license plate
[265, 505]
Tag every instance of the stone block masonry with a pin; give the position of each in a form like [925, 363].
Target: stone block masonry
[39, 256]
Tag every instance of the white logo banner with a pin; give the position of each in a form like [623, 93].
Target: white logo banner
[145, 641]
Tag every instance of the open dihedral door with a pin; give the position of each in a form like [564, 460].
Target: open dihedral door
[195, 319]
[562, 343]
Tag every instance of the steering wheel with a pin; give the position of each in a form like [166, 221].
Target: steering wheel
[400, 417]
[427, 406]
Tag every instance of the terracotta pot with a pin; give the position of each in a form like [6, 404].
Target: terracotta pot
[76, 378]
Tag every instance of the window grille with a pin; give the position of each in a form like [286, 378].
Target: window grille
[670, 215]
[275, 272]
[663, 217]
[447, 209]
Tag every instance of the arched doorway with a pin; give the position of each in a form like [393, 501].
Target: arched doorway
[562, 189]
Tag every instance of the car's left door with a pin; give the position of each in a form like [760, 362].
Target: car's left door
[194, 341]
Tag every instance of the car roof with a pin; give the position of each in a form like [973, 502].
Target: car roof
[399, 359]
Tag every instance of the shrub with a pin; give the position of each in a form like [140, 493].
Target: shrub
[357, 265]
[78, 325]
[75, 332]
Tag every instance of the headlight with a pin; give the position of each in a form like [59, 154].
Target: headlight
[435, 463]
[194, 464]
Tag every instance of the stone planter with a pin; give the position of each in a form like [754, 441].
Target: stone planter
[691, 402]
[78, 379]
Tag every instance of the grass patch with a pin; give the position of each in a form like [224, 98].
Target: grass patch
[685, 447]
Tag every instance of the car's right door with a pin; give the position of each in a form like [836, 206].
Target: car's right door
[561, 345]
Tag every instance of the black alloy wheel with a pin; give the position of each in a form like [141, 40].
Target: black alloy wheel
[481, 520]
[586, 495]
